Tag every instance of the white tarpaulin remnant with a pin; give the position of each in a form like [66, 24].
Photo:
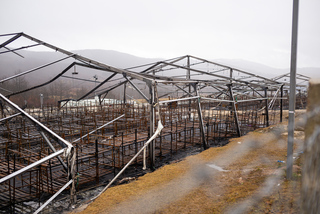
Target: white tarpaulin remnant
[217, 167]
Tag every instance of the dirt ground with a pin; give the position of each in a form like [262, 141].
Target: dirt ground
[245, 176]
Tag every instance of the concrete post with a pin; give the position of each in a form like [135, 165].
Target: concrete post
[310, 191]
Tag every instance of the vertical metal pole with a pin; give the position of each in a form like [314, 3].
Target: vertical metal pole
[41, 104]
[95, 84]
[266, 106]
[114, 155]
[51, 180]
[188, 71]
[281, 104]
[41, 101]
[124, 93]
[235, 111]
[14, 182]
[202, 130]
[292, 96]
[97, 161]
[136, 144]
[73, 196]
[77, 158]
[152, 125]
[232, 105]
[188, 78]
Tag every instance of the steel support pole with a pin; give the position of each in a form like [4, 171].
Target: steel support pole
[10, 40]
[203, 134]
[53, 197]
[236, 120]
[292, 95]
[135, 87]
[9, 117]
[124, 94]
[152, 146]
[34, 69]
[266, 106]
[189, 86]
[281, 104]
[53, 149]
[12, 175]
[36, 122]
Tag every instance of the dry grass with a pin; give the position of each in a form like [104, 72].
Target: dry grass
[191, 186]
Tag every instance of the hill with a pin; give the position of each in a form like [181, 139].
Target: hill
[11, 63]
[268, 71]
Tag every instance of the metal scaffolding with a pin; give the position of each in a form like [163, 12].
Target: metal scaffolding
[200, 103]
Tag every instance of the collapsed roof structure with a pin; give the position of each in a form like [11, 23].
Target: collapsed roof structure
[188, 95]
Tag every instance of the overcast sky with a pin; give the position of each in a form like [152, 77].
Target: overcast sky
[254, 30]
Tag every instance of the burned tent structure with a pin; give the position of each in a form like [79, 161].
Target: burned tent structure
[174, 104]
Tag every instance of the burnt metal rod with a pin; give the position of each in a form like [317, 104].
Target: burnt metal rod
[271, 104]
[211, 74]
[135, 87]
[97, 129]
[34, 69]
[152, 148]
[166, 94]
[43, 127]
[121, 83]
[189, 93]
[10, 40]
[90, 61]
[235, 111]
[235, 69]
[9, 50]
[53, 197]
[255, 91]
[220, 89]
[266, 106]
[218, 100]
[53, 149]
[175, 100]
[98, 86]
[75, 78]
[161, 65]
[11, 116]
[32, 165]
[281, 104]
[203, 134]
[249, 100]
[46, 83]
[16, 49]
[6, 90]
